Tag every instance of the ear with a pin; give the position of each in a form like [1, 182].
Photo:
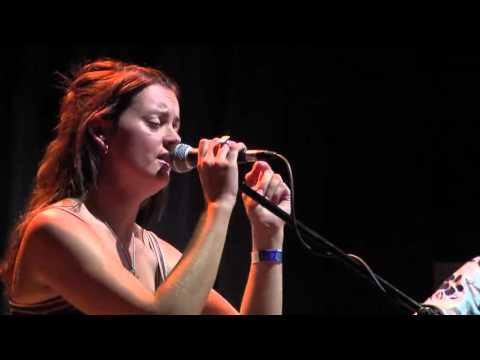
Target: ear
[99, 130]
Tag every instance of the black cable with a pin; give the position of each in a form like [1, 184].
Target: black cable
[292, 221]
[295, 223]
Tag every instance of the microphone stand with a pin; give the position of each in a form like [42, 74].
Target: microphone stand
[392, 293]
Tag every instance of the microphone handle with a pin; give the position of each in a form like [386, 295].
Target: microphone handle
[244, 157]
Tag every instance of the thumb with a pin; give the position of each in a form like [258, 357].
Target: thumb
[254, 175]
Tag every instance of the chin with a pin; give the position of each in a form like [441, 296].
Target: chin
[154, 189]
[161, 181]
[153, 180]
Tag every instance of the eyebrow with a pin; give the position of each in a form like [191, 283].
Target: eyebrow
[166, 111]
[163, 109]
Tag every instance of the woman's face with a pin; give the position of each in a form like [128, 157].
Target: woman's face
[147, 131]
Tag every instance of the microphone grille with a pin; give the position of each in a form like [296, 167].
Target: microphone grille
[181, 151]
[179, 158]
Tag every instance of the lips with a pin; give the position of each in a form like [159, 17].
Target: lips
[165, 167]
[165, 162]
[165, 158]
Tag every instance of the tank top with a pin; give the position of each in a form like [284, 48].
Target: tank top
[59, 306]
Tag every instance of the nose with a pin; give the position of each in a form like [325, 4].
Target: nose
[172, 139]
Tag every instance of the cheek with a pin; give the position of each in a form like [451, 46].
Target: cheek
[137, 146]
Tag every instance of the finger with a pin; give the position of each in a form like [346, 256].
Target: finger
[202, 148]
[281, 194]
[223, 151]
[275, 182]
[251, 178]
[224, 139]
[235, 149]
[254, 176]
[220, 143]
[257, 169]
[210, 155]
[232, 155]
[263, 166]
[264, 181]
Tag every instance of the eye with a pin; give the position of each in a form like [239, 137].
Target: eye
[154, 121]
[154, 124]
[176, 125]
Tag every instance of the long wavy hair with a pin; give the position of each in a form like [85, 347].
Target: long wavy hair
[69, 168]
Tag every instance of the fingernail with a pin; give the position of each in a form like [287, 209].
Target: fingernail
[224, 139]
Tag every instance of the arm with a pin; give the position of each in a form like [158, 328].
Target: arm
[103, 286]
[263, 292]
[216, 304]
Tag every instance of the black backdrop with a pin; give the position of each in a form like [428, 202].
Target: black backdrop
[382, 144]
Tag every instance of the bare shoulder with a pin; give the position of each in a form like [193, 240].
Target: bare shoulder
[54, 226]
[55, 221]
[60, 249]
[46, 232]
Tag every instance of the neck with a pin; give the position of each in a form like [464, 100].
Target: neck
[116, 207]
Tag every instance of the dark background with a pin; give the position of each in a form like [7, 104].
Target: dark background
[383, 144]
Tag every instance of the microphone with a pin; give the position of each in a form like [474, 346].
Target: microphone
[184, 157]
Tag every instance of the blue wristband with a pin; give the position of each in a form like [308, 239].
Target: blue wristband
[269, 255]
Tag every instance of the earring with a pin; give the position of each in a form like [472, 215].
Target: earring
[106, 149]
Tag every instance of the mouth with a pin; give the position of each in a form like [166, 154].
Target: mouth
[165, 158]
[165, 163]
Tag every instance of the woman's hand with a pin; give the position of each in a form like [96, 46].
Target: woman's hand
[218, 170]
[265, 225]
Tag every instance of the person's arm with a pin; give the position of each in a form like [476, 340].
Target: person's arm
[67, 257]
[264, 291]
[216, 304]
[74, 265]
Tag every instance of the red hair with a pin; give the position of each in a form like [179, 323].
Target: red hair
[102, 89]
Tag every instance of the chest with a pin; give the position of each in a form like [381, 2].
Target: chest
[139, 254]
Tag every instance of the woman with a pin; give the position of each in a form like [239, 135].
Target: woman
[78, 248]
